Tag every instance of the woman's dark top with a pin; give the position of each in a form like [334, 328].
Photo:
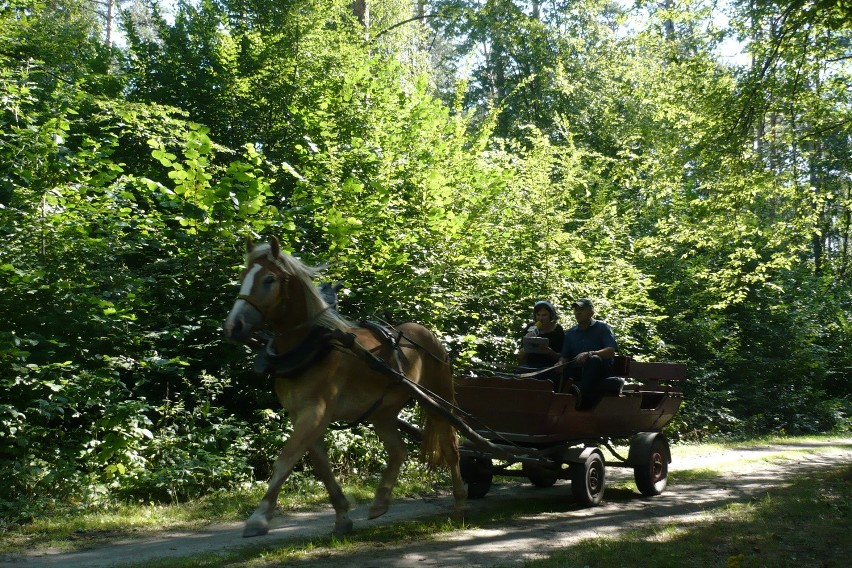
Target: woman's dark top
[543, 360]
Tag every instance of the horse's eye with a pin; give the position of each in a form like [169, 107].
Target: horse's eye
[269, 280]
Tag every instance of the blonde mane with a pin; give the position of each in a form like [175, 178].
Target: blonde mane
[318, 310]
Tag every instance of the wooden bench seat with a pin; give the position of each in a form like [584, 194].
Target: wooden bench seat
[643, 377]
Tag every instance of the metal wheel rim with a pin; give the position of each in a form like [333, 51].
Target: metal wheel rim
[594, 479]
[657, 466]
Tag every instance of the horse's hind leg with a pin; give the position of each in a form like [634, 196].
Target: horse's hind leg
[323, 472]
[397, 452]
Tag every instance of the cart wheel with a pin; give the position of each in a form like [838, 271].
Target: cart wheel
[539, 476]
[476, 472]
[651, 478]
[587, 480]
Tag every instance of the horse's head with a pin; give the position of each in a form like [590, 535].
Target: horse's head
[277, 289]
[265, 286]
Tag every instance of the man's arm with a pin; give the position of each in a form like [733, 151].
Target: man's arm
[605, 353]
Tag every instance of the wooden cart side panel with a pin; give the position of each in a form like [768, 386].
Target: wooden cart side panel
[615, 417]
[511, 405]
[527, 410]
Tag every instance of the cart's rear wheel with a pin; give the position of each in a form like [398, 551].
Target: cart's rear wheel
[476, 472]
[651, 478]
[587, 479]
[539, 476]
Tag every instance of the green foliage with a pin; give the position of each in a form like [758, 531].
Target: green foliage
[705, 208]
[199, 448]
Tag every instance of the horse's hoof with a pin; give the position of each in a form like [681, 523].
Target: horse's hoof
[255, 530]
[377, 511]
[461, 506]
[342, 528]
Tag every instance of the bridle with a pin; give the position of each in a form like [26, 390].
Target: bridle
[285, 286]
[247, 299]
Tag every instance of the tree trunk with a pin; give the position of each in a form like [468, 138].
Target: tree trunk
[817, 242]
[668, 24]
[361, 9]
[110, 5]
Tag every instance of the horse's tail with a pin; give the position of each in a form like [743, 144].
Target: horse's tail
[440, 445]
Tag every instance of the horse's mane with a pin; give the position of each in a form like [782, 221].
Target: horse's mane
[317, 308]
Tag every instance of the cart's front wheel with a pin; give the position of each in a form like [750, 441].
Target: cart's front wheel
[651, 478]
[587, 480]
[476, 472]
[539, 476]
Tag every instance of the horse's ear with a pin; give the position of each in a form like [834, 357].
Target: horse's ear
[274, 246]
[249, 245]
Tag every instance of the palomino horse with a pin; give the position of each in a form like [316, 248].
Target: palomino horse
[321, 376]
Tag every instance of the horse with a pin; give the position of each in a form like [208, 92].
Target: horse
[321, 375]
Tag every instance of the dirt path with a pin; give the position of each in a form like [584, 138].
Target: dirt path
[752, 472]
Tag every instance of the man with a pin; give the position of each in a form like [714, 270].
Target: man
[588, 350]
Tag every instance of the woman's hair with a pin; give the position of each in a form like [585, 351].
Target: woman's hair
[548, 306]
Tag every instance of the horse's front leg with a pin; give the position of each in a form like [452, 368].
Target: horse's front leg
[386, 430]
[306, 430]
[323, 472]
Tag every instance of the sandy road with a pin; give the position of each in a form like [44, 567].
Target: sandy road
[752, 471]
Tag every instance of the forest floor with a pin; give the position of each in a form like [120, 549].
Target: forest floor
[742, 474]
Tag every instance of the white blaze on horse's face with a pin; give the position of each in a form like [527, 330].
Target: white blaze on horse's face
[256, 292]
[248, 282]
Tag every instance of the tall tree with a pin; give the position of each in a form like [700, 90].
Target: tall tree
[797, 108]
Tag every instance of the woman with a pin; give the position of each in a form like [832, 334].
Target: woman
[543, 356]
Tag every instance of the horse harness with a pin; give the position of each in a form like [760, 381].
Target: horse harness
[321, 340]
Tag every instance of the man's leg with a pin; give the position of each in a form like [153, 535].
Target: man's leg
[589, 384]
[571, 377]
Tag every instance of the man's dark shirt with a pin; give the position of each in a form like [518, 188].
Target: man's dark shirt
[595, 337]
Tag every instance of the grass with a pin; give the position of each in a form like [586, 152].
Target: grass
[806, 520]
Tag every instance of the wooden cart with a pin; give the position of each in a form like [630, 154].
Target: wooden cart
[523, 421]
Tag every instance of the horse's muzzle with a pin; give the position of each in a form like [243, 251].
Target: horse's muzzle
[242, 320]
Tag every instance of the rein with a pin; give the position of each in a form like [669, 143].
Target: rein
[540, 371]
[385, 325]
